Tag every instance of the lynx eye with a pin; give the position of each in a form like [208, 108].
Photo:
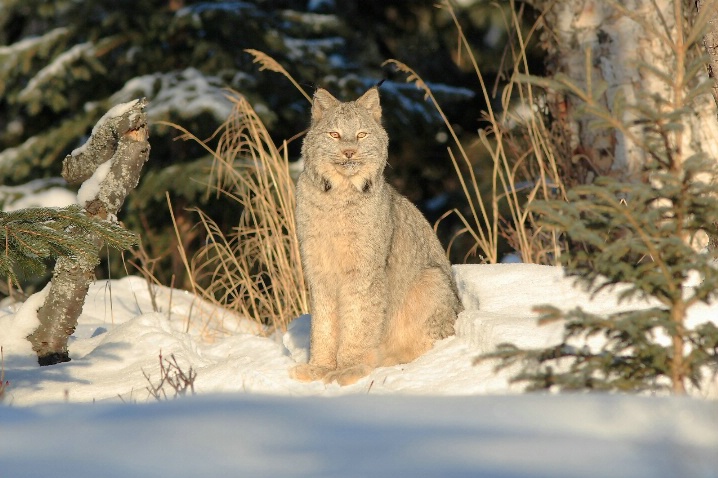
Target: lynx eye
[361, 135]
[335, 135]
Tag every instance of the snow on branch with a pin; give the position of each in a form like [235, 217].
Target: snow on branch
[32, 44]
[109, 164]
[179, 94]
[13, 57]
[59, 65]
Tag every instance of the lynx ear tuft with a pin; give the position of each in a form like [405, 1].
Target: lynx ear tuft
[370, 101]
[323, 100]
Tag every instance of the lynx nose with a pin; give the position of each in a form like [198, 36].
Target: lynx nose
[348, 153]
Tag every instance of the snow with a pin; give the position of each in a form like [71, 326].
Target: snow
[362, 436]
[187, 94]
[316, 5]
[59, 65]
[319, 22]
[226, 7]
[299, 48]
[90, 188]
[114, 112]
[440, 415]
[48, 192]
[9, 156]
[31, 43]
[406, 93]
[53, 197]
[22, 322]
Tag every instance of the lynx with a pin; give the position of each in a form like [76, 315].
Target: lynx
[381, 288]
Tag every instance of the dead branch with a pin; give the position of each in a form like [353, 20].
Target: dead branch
[122, 140]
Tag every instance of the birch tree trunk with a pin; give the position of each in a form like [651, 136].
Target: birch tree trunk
[627, 44]
[109, 166]
[639, 61]
[710, 43]
[710, 40]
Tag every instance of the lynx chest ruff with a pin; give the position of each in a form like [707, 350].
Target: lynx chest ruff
[380, 286]
[335, 232]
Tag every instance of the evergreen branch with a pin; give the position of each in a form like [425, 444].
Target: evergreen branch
[33, 235]
[634, 222]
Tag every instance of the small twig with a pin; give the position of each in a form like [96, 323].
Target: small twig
[172, 375]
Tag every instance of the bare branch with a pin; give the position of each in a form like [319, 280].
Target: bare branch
[120, 137]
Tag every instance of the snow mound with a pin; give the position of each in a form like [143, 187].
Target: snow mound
[121, 335]
[440, 415]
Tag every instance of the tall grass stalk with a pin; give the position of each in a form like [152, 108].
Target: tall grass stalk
[266, 62]
[254, 269]
[526, 172]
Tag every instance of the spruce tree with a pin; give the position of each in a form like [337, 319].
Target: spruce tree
[66, 62]
[646, 232]
[641, 237]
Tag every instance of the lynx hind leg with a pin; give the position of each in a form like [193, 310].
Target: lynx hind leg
[306, 372]
[427, 314]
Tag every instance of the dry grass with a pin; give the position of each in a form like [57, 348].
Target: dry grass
[172, 377]
[254, 269]
[4, 384]
[524, 164]
[266, 62]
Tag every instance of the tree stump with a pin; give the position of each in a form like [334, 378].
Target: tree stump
[108, 165]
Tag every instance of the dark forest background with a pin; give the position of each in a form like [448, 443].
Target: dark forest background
[64, 63]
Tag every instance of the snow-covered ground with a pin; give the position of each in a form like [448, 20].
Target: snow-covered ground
[438, 416]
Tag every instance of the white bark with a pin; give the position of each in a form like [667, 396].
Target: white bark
[625, 38]
[710, 40]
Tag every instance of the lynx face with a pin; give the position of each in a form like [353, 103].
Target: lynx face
[346, 140]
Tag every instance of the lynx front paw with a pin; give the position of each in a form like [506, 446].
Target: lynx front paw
[347, 376]
[306, 372]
